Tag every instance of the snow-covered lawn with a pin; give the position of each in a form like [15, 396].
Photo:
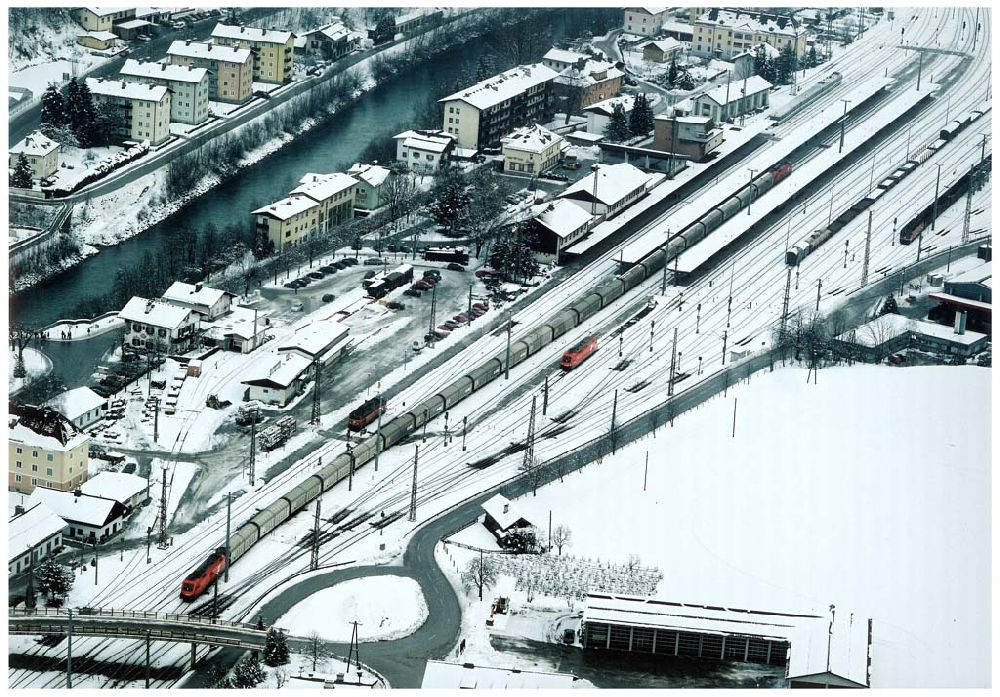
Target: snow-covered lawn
[35, 364]
[298, 674]
[385, 607]
[875, 481]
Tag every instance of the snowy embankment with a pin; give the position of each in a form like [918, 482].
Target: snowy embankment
[385, 607]
[36, 364]
[840, 492]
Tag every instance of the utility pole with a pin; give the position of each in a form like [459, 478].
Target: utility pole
[645, 472]
[315, 401]
[378, 428]
[819, 288]
[545, 396]
[673, 365]
[147, 659]
[673, 144]
[69, 651]
[156, 419]
[909, 128]
[506, 375]
[433, 308]
[871, 179]
[229, 551]
[920, 69]
[847, 249]
[868, 244]
[528, 463]
[413, 491]
[784, 305]
[652, 332]
[253, 446]
[725, 336]
[614, 417]
[663, 283]
[314, 556]
[29, 591]
[937, 187]
[734, 416]
[470, 298]
[465, 423]
[350, 472]
[967, 218]
[353, 652]
[162, 539]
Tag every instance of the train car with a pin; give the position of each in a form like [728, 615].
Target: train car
[579, 353]
[779, 172]
[366, 413]
[378, 289]
[202, 578]
[949, 131]
[937, 144]
[910, 233]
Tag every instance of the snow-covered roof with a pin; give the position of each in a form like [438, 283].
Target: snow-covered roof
[983, 275]
[442, 675]
[607, 107]
[197, 49]
[670, 25]
[194, 294]
[103, 11]
[683, 119]
[562, 56]
[43, 428]
[163, 71]
[735, 90]
[499, 508]
[127, 90]
[614, 182]
[373, 175]
[592, 73]
[154, 312]
[649, 10]
[31, 528]
[35, 143]
[958, 300]
[428, 141]
[315, 339]
[533, 138]
[286, 207]
[102, 35]
[756, 22]
[76, 402]
[335, 31]
[504, 86]
[116, 486]
[878, 330]
[135, 24]
[321, 187]
[561, 217]
[89, 510]
[283, 372]
[946, 332]
[665, 45]
[231, 31]
[239, 322]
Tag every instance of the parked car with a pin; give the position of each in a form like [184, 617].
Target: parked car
[369, 274]
[329, 297]
[412, 292]
[455, 266]
[395, 305]
[460, 318]
[292, 284]
[432, 273]
[483, 273]
[373, 261]
[417, 346]
[342, 264]
[451, 324]
[392, 248]
[351, 261]
[304, 281]
[329, 268]
[569, 635]
[297, 306]
[316, 274]
[445, 328]
[422, 285]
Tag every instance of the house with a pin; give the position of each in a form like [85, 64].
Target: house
[727, 33]
[129, 490]
[501, 518]
[559, 59]
[557, 224]
[876, 340]
[682, 31]
[599, 115]
[733, 99]
[44, 449]
[209, 303]
[287, 222]
[35, 534]
[608, 190]
[590, 82]
[424, 152]
[322, 341]
[333, 195]
[273, 50]
[241, 330]
[281, 382]
[480, 115]
[142, 111]
[331, 41]
[41, 152]
[133, 29]
[89, 519]
[101, 18]
[696, 136]
[230, 69]
[971, 292]
[645, 21]
[662, 50]
[81, 405]
[99, 40]
[530, 150]
[369, 192]
[442, 675]
[189, 87]
[160, 326]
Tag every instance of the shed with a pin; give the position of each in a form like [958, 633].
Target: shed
[127, 489]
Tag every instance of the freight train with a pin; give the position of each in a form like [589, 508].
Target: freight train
[366, 413]
[402, 426]
[579, 353]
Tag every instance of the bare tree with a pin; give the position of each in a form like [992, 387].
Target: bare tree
[481, 572]
[398, 192]
[20, 336]
[632, 563]
[318, 649]
[532, 470]
[561, 537]
[280, 678]
[487, 214]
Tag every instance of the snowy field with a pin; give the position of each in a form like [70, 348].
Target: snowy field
[385, 607]
[884, 514]
[35, 363]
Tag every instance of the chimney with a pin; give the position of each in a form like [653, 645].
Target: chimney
[163, 66]
[506, 507]
[197, 287]
[149, 306]
[960, 318]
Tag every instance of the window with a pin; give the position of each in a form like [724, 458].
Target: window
[48, 471]
[17, 464]
[34, 482]
[17, 477]
[48, 456]
[19, 451]
[34, 468]
[34, 453]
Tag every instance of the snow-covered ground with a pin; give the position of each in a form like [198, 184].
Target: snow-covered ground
[36, 364]
[882, 513]
[385, 607]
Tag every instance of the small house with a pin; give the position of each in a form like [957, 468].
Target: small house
[127, 489]
[502, 519]
[80, 405]
[209, 303]
[281, 382]
[41, 152]
[36, 534]
[662, 50]
[99, 40]
[90, 519]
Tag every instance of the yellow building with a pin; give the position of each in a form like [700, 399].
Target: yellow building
[333, 195]
[230, 69]
[42, 154]
[645, 21]
[727, 33]
[143, 110]
[99, 40]
[101, 18]
[44, 449]
[531, 150]
[273, 51]
[287, 222]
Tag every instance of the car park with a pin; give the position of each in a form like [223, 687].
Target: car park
[455, 266]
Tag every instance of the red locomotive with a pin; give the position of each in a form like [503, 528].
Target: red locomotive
[366, 413]
[579, 353]
[201, 579]
[781, 171]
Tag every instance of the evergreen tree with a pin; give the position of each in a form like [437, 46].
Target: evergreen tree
[641, 119]
[786, 65]
[672, 72]
[249, 673]
[54, 580]
[811, 60]
[684, 80]
[485, 67]
[21, 176]
[889, 307]
[53, 110]
[617, 129]
[81, 116]
[260, 623]
[275, 648]
[451, 200]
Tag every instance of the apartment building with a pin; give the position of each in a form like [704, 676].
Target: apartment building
[727, 33]
[369, 193]
[143, 110]
[230, 69]
[531, 150]
[44, 449]
[273, 51]
[333, 195]
[101, 18]
[287, 222]
[424, 151]
[41, 152]
[588, 83]
[644, 21]
[559, 59]
[480, 115]
[188, 85]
